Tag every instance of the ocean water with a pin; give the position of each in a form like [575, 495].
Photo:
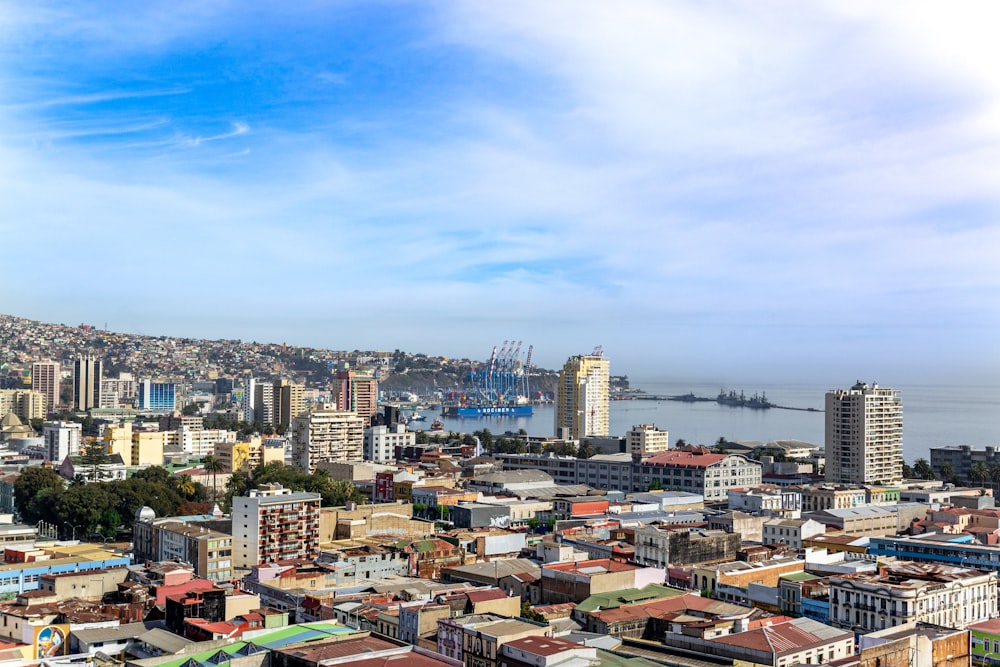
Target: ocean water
[932, 416]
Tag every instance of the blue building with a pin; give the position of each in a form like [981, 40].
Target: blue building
[18, 577]
[157, 397]
[958, 550]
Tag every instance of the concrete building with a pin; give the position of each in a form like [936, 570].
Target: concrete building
[864, 435]
[646, 440]
[582, 398]
[905, 592]
[326, 435]
[697, 470]
[791, 531]
[578, 580]
[664, 547]
[357, 393]
[45, 378]
[289, 403]
[209, 551]
[273, 523]
[61, 439]
[961, 458]
[247, 404]
[87, 374]
[25, 403]
[380, 442]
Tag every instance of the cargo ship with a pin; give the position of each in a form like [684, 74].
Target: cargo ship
[487, 410]
[500, 389]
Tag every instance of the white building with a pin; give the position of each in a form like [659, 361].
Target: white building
[381, 441]
[273, 523]
[327, 435]
[864, 435]
[905, 592]
[768, 500]
[790, 531]
[646, 439]
[582, 399]
[61, 439]
[249, 391]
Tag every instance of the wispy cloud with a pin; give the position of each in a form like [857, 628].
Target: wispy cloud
[786, 174]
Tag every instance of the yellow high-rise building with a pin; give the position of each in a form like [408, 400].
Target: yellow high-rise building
[582, 398]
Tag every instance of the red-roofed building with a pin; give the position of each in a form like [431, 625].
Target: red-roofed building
[545, 652]
[576, 581]
[796, 642]
[697, 470]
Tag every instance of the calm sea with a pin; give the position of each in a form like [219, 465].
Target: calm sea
[932, 416]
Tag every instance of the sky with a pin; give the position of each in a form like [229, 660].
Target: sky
[724, 191]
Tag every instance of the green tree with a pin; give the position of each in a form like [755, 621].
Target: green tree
[680, 443]
[979, 472]
[947, 472]
[93, 456]
[655, 485]
[586, 450]
[530, 614]
[29, 484]
[533, 523]
[908, 472]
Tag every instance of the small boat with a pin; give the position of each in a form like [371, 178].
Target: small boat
[437, 425]
[416, 417]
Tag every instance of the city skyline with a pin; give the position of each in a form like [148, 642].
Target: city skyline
[755, 191]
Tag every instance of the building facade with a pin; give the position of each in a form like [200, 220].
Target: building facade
[87, 374]
[646, 440]
[46, 377]
[61, 439]
[864, 435]
[157, 397]
[905, 592]
[327, 435]
[582, 398]
[273, 523]
[25, 403]
[380, 442]
[357, 393]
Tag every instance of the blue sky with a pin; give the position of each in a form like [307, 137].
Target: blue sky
[731, 191]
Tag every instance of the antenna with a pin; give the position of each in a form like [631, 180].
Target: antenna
[598, 351]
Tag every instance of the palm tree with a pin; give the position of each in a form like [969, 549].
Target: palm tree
[979, 471]
[213, 465]
[923, 469]
[995, 476]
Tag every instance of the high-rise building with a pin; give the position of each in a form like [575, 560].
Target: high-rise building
[864, 435]
[249, 391]
[157, 397]
[357, 393]
[263, 403]
[277, 403]
[87, 374]
[327, 435]
[45, 377]
[582, 398]
[289, 402]
[272, 523]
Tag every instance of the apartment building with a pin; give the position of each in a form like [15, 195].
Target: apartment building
[864, 435]
[326, 435]
[273, 523]
[24, 403]
[582, 398]
[46, 377]
[209, 551]
[380, 442]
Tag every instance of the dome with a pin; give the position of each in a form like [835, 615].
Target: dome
[145, 514]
